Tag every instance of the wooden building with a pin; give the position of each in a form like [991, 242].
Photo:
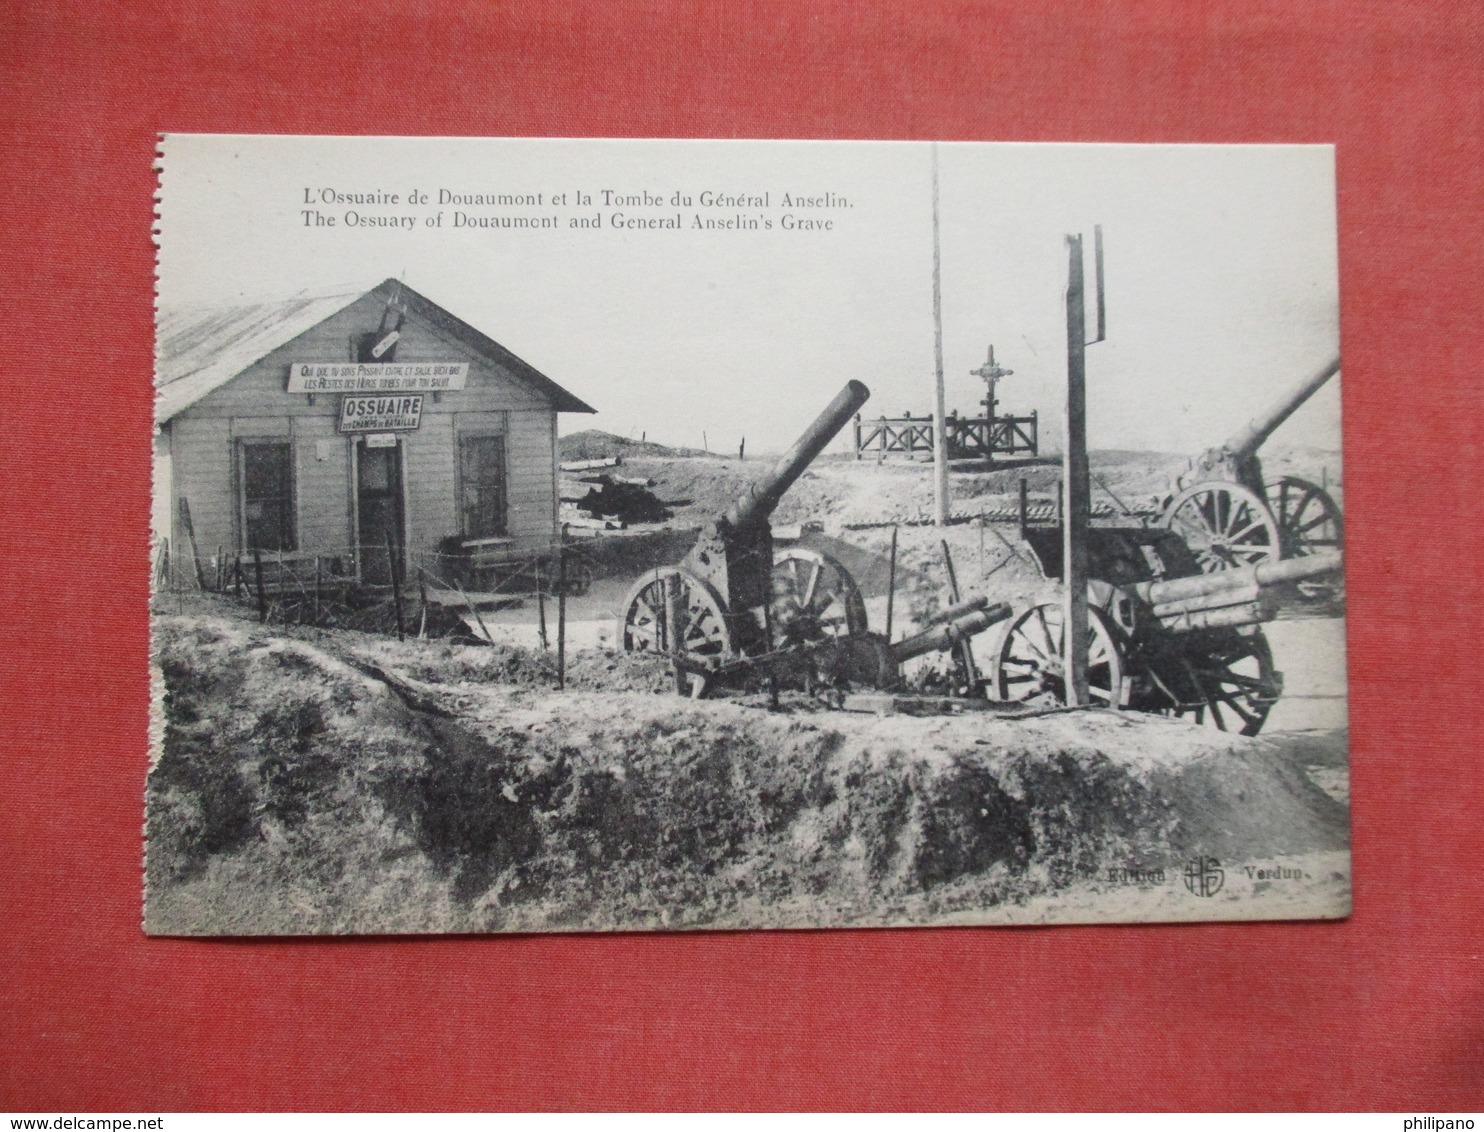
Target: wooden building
[363, 428]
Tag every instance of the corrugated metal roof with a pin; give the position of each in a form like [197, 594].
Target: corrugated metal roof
[199, 350]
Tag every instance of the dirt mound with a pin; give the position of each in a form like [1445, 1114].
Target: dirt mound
[697, 488]
[594, 444]
[301, 791]
[447, 666]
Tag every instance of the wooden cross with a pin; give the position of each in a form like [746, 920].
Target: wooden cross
[991, 373]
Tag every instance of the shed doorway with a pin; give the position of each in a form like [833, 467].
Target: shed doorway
[381, 522]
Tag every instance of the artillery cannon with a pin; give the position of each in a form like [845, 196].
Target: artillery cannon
[1231, 517]
[1164, 636]
[734, 609]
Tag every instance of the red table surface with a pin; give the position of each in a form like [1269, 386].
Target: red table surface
[1383, 1011]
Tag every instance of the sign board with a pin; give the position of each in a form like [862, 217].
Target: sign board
[398, 413]
[381, 440]
[376, 377]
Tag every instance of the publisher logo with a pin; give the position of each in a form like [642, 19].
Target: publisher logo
[1203, 876]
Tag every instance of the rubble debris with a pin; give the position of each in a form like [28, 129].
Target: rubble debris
[623, 499]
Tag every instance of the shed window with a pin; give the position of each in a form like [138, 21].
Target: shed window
[268, 495]
[482, 485]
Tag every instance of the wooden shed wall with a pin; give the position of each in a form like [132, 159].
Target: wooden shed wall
[202, 442]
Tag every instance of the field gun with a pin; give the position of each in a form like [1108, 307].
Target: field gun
[735, 610]
[1231, 517]
[1164, 636]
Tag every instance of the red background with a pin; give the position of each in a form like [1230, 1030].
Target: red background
[1385, 1010]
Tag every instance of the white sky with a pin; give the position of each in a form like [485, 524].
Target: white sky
[1221, 273]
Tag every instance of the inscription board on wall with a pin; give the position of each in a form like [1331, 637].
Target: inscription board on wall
[380, 414]
[376, 377]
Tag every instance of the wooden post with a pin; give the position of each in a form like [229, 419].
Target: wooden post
[1097, 267]
[396, 586]
[237, 573]
[891, 582]
[674, 637]
[318, 582]
[965, 649]
[1076, 488]
[662, 621]
[773, 672]
[541, 605]
[940, 422]
[257, 562]
[562, 610]
[221, 570]
[952, 576]
[422, 593]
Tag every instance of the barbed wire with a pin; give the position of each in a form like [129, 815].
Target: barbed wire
[533, 569]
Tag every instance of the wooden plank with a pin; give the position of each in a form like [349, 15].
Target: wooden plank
[190, 534]
[482, 599]
[257, 561]
[589, 465]
[472, 609]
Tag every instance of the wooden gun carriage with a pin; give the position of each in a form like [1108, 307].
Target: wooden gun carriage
[1230, 516]
[1164, 635]
[736, 610]
[1175, 610]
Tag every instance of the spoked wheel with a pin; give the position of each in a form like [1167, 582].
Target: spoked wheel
[1031, 665]
[814, 597]
[1225, 526]
[671, 611]
[1308, 518]
[1223, 680]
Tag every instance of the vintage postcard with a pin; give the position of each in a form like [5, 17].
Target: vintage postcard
[575, 535]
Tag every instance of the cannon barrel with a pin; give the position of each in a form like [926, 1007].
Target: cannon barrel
[954, 612]
[757, 503]
[1248, 440]
[1200, 603]
[1161, 594]
[950, 633]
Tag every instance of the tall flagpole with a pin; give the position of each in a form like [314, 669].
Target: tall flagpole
[940, 413]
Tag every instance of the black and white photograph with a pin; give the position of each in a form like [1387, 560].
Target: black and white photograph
[624, 535]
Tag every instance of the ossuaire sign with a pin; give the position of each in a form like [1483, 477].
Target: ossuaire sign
[400, 413]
